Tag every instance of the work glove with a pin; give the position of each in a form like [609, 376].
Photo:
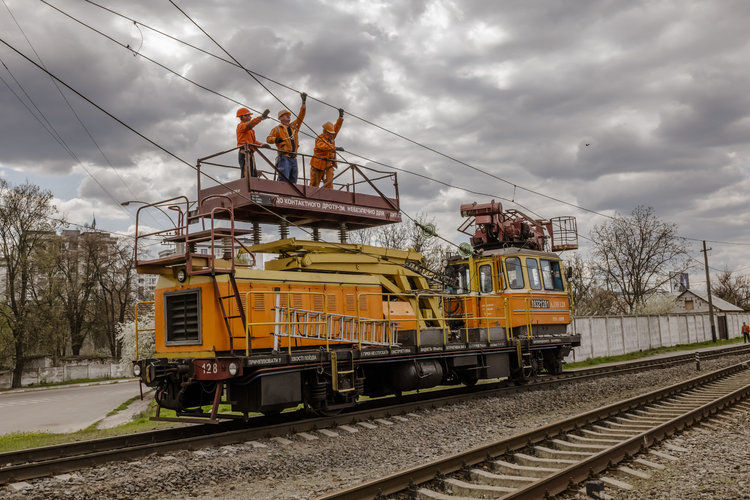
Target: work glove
[279, 140]
[265, 114]
[339, 148]
[341, 112]
[304, 97]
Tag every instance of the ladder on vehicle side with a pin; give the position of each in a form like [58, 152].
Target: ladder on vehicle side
[337, 375]
[226, 307]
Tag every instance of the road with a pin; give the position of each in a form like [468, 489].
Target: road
[61, 409]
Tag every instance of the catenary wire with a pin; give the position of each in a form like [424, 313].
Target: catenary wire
[158, 146]
[70, 106]
[516, 186]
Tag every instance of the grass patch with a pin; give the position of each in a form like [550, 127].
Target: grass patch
[26, 440]
[123, 406]
[649, 352]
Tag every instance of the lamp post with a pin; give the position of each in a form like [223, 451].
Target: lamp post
[126, 203]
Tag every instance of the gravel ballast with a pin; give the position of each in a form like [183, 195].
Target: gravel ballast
[306, 468]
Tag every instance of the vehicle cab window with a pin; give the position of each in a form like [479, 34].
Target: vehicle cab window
[515, 272]
[460, 274]
[485, 278]
[551, 275]
[532, 269]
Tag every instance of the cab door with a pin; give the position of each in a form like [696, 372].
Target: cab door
[489, 307]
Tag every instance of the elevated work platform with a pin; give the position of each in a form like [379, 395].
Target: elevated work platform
[359, 197]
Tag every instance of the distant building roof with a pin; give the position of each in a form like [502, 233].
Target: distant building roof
[720, 304]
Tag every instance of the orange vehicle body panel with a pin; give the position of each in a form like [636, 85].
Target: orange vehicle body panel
[259, 301]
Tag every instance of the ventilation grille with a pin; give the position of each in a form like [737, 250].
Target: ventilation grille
[183, 318]
[259, 301]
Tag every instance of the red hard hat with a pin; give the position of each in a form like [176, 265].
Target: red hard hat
[243, 111]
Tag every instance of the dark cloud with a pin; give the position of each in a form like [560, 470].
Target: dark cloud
[656, 90]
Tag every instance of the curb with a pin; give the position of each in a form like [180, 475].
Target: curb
[62, 386]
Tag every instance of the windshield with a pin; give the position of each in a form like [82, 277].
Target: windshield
[459, 273]
[515, 272]
[551, 275]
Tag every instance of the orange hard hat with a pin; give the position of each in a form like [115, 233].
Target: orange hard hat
[284, 112]
[328, 127]
[243, 111]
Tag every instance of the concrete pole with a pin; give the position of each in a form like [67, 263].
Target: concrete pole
[708, 292]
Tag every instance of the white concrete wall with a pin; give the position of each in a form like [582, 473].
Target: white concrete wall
[42, 372]
[615, 335]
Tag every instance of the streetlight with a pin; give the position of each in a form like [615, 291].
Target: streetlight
[126, 203]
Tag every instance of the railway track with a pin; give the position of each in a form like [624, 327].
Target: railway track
[58, 459]
[550, 460]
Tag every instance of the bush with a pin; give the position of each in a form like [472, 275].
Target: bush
[126, 336]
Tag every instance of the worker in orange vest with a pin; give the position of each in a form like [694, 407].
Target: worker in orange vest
[324, 161]
[246, 139]
[286, 138]
[745, 332]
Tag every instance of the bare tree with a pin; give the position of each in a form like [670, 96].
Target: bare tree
[26, 221]
[114, 298]
[634, 255]
[733, 288]
[589, 297]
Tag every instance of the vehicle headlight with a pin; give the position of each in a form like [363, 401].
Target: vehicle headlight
[233, 368]
[137, 370]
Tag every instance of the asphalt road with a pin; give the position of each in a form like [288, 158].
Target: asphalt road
[61, 409]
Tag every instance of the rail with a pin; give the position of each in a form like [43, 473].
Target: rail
[55, 459]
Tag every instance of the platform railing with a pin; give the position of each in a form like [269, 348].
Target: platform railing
[360, 175]
[186, 238]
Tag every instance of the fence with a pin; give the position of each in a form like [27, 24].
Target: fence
[615, 335]
[42, 371]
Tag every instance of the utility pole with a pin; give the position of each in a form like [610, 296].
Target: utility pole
[708, 292]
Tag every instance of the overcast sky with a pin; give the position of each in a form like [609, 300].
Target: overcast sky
[603, 104]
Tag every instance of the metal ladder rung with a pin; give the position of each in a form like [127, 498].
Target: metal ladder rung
[346, 390]
[345, 372]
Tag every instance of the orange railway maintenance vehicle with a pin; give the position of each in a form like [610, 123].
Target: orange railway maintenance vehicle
[327, 322]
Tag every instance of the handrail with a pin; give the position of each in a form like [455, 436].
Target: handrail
[347, 186]
[138, 330]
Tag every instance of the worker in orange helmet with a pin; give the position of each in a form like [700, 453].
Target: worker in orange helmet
[246, 139]
[286, 138]
[324, 161]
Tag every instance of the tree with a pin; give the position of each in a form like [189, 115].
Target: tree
[735, 289]
[114, 298]
[410, 234]
[590, 298]
[26, 222]
[635, 255]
